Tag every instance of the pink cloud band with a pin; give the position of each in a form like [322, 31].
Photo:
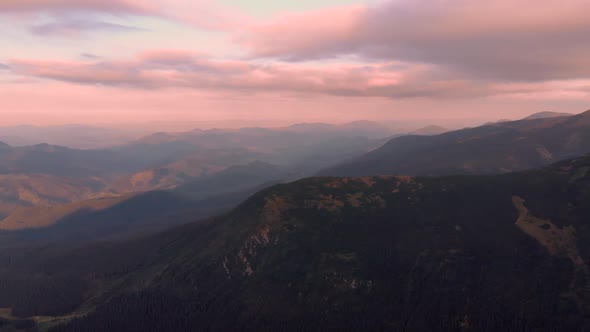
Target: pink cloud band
[500, 39]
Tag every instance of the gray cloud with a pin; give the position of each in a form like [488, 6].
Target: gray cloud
[4, 67]
[78, 27]
[110, 6]
[183, 70]
[208, 14]
[493, 40]
[89, 56]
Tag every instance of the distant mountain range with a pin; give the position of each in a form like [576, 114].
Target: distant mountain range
[483, 253]
[135, 213]
[73, 136]
[384, 250]
[47, 186]
[358, 128]
[496, 148]
[165, 160]
[44, 186]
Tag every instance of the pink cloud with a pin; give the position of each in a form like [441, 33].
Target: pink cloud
[550, 90]
[285, 35]
[205, 14]
[501, 39]
[79, 28]
[183, 109]
[177, 69]
[132, 6]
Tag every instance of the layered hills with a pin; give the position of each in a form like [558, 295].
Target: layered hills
[465, 253]
[45, 181]
[136, 213]
[495, 148]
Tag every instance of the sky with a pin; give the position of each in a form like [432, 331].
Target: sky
[278, 62]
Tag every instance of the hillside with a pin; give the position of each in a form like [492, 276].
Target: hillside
[469, 253]
[135, 213]
[47, 176]
[430, 131]
[238, 178]
[119, 217]
[201, 163]
[30, 190]
[44, 216]
[61, 161]
[72, 136]
[496, 148]
[546, 115]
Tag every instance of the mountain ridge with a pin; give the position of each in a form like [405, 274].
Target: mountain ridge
[494, 148]
[546, 115]
[378, 252]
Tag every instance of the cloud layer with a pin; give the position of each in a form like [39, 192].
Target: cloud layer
[434, 52]
[166, 69]
[206, 14]
[500, 39]
[490, 40]
[177, 69]
[109, 6]
[78, 28]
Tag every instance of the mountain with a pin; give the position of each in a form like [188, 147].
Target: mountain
[45, 175]
[546, 115]
[109, 219]
[72, 136]
[200, 163]
[44, 215]
[62, 161]
[237, 178]
[367, 129]
[496, 148]
[28, 190]
[305, 145]
[430, 131]
[42, 184]
[138, 213]
[464, 253]
[496, 122]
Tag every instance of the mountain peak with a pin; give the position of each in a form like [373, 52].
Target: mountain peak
[546, 115]
[430, 130]
[518, 145]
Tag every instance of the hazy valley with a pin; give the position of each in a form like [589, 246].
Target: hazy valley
[166, 204]
[296, 165]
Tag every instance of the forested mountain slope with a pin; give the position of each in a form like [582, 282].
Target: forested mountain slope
[467, 253]
[495, 148]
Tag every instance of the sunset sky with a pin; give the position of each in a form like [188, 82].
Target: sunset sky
[135, 61]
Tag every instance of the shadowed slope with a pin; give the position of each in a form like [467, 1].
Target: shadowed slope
[483, 253]
[497, 148]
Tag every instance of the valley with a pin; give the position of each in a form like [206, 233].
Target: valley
[46, 185]
[335, 242]
[294, 166]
